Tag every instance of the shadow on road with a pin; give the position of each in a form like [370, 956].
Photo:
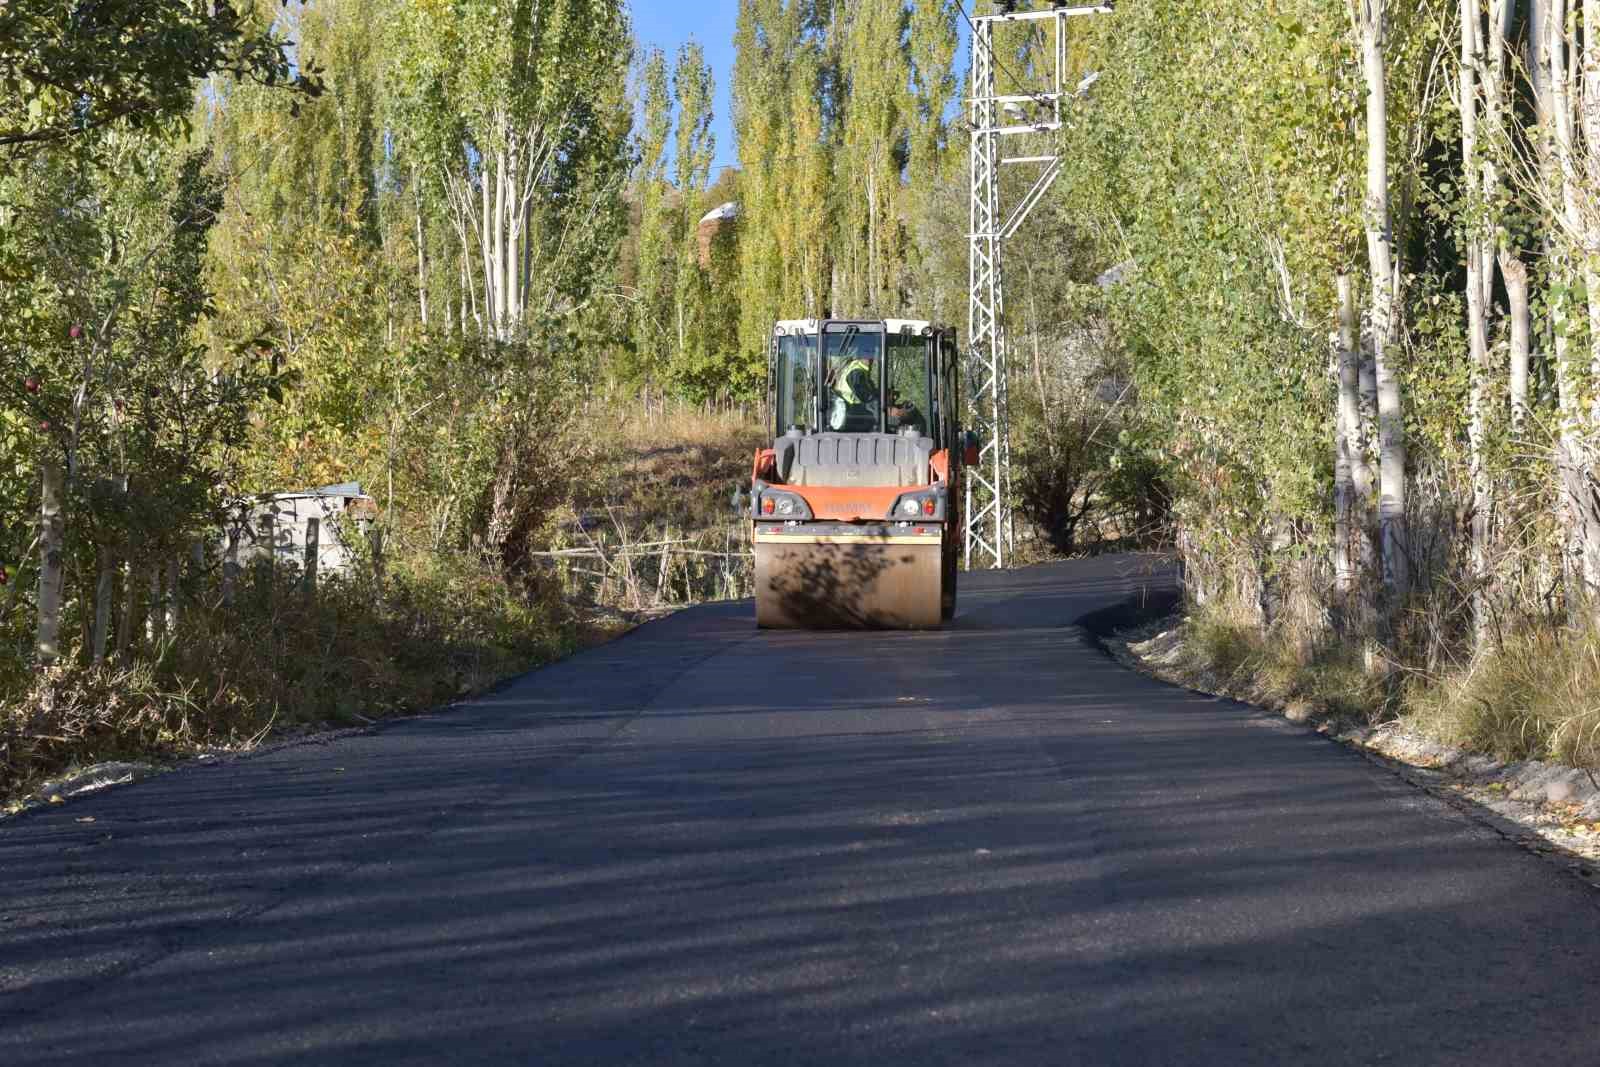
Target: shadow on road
[984, 846]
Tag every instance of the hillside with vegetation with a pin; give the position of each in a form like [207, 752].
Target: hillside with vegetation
[1315, 298]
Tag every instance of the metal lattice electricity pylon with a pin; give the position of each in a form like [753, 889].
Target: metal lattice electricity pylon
[989, 539]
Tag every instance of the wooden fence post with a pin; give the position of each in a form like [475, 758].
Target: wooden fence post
[267, 533]
[52, 534]
[173, 571]
[125, 622]
[313, 532]
[662, 587]
[230, 564]
[104, 590]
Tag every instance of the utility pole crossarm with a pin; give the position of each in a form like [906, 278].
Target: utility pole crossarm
[1049, 13]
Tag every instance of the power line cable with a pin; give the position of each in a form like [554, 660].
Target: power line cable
[1038, 98]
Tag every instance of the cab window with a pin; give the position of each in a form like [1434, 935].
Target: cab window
[797, 382]
[907, 402]
[852, 373]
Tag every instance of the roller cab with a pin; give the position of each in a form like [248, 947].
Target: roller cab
[855, 507]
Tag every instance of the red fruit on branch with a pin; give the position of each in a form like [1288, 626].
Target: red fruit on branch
[31, 384]
[44, 425]
[76, 332]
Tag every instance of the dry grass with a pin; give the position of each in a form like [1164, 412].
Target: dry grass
[1536, 697]
[276, 660]
[666, 475]
[1283, 667]
[679, 469]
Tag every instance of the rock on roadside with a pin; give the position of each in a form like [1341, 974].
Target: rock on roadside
[91, 779]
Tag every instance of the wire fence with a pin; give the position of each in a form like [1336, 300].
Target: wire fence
[665, 569]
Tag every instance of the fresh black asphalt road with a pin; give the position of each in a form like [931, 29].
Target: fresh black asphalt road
[703, 844]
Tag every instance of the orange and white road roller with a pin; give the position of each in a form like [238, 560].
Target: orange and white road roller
[856, 506]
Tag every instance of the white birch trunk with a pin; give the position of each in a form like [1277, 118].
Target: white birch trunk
[501, 239]
[1513, 269]
[171, 599]
[230, 565]
[1394, 542]
[1536, 58]
[1354, 483]
[1477, 329]
[1369, 406]
[1573, 459]
[514, 276]
[1520, 312]
[1345, 425]
[469, 287]
[1587, 489]
[52, 539]
[1590, 110]
[125, 618]
[491, 312]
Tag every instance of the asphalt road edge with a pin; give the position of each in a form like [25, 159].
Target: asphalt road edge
[1472, 784]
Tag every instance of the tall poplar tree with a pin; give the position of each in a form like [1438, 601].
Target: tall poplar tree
[875, 74]
[805, 225]
[930, 164]
[696, 147]
[521, 108]
[652, 337]
[768, 33]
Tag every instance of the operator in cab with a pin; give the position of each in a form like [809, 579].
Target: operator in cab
[855, 398]
[903, 413]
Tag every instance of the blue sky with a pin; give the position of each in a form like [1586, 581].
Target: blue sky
[666, 24]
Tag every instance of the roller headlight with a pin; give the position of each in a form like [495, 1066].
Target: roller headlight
[778, 504]
[927, 504]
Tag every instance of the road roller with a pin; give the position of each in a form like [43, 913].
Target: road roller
[856, 507]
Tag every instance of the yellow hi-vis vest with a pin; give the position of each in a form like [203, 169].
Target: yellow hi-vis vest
[842, 384]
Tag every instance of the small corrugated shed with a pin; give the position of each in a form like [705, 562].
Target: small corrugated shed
[282, 526]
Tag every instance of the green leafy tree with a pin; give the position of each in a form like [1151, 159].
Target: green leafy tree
[875, 75]
[520, 109]
[70, 68]
[655, 247]
[767, 35]
[697, 365]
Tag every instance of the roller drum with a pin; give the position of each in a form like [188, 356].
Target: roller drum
[860, 584]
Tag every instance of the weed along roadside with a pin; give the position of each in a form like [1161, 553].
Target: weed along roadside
[269, 660]
[652, 529]
[1500, 761]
